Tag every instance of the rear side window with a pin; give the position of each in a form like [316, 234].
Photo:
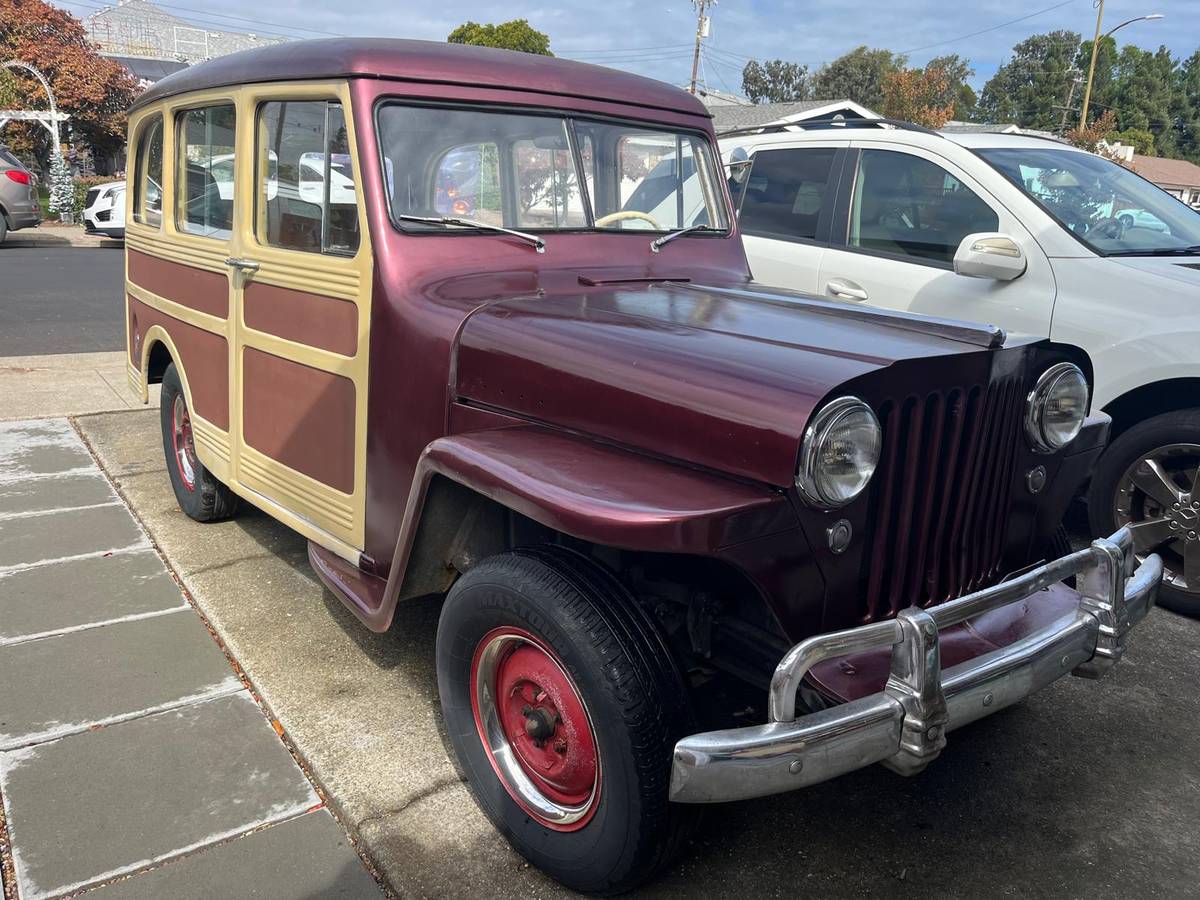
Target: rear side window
[148, 169]
[306, 195]
[205, 183]
[908, 206]
[786, 192]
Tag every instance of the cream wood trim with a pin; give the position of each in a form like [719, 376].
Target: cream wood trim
[324, 515]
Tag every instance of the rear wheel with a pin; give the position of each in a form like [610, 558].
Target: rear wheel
[563, 706]
[3, 228]
[198, 493]
[1148, 480]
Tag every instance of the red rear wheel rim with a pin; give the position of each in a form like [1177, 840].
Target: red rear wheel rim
[535, 728]
[182, 443]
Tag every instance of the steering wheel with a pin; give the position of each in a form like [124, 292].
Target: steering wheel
[626, 214]
[1113, 227]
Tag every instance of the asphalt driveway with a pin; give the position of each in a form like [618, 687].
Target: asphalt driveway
[1087, 789]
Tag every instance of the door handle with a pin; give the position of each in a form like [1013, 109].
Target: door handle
[246, 265]
[845, 290]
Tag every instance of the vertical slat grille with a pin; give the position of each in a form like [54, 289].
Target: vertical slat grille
[941, 496]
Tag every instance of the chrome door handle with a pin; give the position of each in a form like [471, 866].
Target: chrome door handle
[246, 265]
[845, 290]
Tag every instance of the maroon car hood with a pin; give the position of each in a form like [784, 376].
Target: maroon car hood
[724, 378]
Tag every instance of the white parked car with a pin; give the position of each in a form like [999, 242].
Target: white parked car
[104, 209]
[1026, 233]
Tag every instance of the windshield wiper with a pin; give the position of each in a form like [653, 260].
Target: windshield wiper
[657, 243]
[1193, 250]
[537, 242]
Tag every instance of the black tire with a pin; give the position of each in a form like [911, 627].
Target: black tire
[634, 698]
[1140, 441]
[3, 228]
[202, 498]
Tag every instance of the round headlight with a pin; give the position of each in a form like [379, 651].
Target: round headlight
[839, 453]
[1057, 408]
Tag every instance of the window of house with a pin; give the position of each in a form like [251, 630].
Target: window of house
[205, 183]
[306, 195]
[147, 186]
[909, 206]
[786, 191]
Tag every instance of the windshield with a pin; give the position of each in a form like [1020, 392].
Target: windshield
[545, 173]
[1108, 207]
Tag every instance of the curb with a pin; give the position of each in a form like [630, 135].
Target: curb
[59, 237]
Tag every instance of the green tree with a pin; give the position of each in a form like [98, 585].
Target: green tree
[858, 75]
[1141, 140]
[775, 81]
[1037, 78]
[1185, 108]
[1145, 82]
[517, 34]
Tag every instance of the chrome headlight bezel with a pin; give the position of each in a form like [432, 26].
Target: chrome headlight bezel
[1060, 376]
[825, 423]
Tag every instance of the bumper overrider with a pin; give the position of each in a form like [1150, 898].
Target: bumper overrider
[904, 726]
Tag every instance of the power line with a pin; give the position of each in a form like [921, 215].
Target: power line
[207, 19]
[963, 37]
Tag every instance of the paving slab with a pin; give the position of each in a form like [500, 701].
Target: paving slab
[38, 537]
[1025, 803]
[123, 450]
[306, 857]
[71, 682]
[29, 449]
[34, 387]
[79, 592]
[58, 491]
[93, 806]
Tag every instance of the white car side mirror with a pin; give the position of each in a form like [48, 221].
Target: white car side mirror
[989, 254]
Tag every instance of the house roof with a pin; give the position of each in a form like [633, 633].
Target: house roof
[731, 118]
[426, 61]
[1172, 172]
[151, 70]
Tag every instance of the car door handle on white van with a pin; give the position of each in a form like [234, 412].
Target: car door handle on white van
[845, 290]
[246, 265]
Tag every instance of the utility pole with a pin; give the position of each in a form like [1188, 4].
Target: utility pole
[701, 33]
[1087, 93]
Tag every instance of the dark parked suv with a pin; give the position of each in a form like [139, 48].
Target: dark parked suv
[19, 207]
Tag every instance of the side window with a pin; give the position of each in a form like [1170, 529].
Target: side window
[147, 186]
[204, 183]
[786, 191]
[909, 206]
[467, 184]
[306, 197]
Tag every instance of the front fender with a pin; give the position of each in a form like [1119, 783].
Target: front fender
[591, 491]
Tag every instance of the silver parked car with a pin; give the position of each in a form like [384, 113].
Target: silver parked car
[19, 207]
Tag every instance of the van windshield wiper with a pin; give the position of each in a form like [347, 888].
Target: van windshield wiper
[657, 243]
[537, 242]
[1193, 250]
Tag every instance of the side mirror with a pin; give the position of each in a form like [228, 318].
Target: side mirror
[990, 254]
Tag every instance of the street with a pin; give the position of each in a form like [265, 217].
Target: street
[61, 300]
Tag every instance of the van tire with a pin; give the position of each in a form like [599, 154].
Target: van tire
[198, 493]
[1150, 438]
[559, 604]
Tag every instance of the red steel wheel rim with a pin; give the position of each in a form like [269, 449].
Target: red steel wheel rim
[182, 443]
[535, 728]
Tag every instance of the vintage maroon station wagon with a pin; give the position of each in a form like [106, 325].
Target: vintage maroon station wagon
[479, 325]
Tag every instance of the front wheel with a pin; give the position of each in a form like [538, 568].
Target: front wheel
[1147, 479]
[563, 705]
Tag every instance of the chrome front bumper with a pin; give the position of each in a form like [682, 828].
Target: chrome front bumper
[904, 726]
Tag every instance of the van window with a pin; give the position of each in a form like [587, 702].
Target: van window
[909, 206]
[205, 179]
[147, 187]
[786, 191]
[306, 196]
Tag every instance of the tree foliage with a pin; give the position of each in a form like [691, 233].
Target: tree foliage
[923, 96]
[1028, 87]
[516, 34]
[94, 90]
[776, 81]
[858, 75]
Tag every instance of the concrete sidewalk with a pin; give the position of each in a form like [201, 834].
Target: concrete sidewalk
[68, 384]
[133, 758]
[47, 235]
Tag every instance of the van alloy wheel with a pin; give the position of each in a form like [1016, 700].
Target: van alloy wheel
[1158, 497]
[535, 728]
[181, 439]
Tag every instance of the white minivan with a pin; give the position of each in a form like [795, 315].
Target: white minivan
[1024, 232]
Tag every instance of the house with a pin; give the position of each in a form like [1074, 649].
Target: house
[956, 127]
[729, 116]
[1177, 177]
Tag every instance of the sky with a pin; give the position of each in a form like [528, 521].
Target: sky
[655, 38]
